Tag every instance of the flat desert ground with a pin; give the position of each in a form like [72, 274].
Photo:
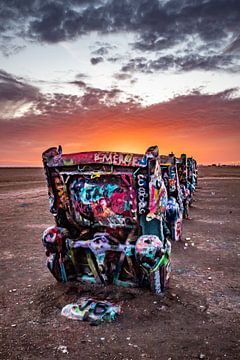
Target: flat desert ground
[198, 318]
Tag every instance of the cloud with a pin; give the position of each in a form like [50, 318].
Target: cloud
[158, 25]
[207, 126]
[13, 88]
[122, 76]
[79, 83]
[201, 111]
[9, 47]
[103, 49]
[234, 47]
[94, 97]
[96, 60]
[16, 96]
[114, 59]
[136, 64]
[186, 62]
[81, 76]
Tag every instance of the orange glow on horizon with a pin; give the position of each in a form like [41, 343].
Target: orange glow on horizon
[112, 130]
[133, 141]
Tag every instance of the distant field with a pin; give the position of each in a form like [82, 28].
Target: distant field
[14, 176]
[13, 179]
[21, 174]
[217, 171]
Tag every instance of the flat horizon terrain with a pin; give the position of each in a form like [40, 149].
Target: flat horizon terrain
[198, 317]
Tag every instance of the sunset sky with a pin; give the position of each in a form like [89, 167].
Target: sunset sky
[119, 75]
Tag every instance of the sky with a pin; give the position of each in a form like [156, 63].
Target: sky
[120, 75]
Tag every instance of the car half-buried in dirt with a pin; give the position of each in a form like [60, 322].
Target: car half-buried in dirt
[109, 209]
[175, 209]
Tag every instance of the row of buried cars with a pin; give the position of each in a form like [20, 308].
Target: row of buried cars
[115, 215]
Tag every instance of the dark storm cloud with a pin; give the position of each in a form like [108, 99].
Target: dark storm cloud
[16, 96]
[96, 60]
[184, 63]
[137, 64]
[211, 19]
[234, 47]
[16, 93]
[158, 24]
[15, 89]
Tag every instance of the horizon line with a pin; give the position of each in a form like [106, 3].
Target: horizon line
[41, 167]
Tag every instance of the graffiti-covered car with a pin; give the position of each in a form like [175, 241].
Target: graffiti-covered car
[182, 166]
[187, 170]
[109, 209]
[174, 209]
[192, 177]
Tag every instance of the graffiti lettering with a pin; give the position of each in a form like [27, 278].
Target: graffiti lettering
[115, 158]
[115, 221]
[157, 282]
[61, 191]
[142, 194]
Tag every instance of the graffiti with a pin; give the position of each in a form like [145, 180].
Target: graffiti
[62, 197]
[184, 174]
[115, 158]
[110, 219]
[53, 236]
[192, 177]
[172, 185]
[88, 192]
[151, 153]
[157, 194]
[100, 209]
[108, 201]
[119, 202]
[165, 179]
[114, 220]
[142, 194]
[179, 228]
[172, 181]
[157, 198]
[101, 243]
[157, 282]
[185, 193]
[180, 172]
[92, 310]
[147, 247]
[172, 210]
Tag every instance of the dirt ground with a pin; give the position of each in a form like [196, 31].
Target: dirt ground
[198, 318]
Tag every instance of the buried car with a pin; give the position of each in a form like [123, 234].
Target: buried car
[109, 209]
[174, 209]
